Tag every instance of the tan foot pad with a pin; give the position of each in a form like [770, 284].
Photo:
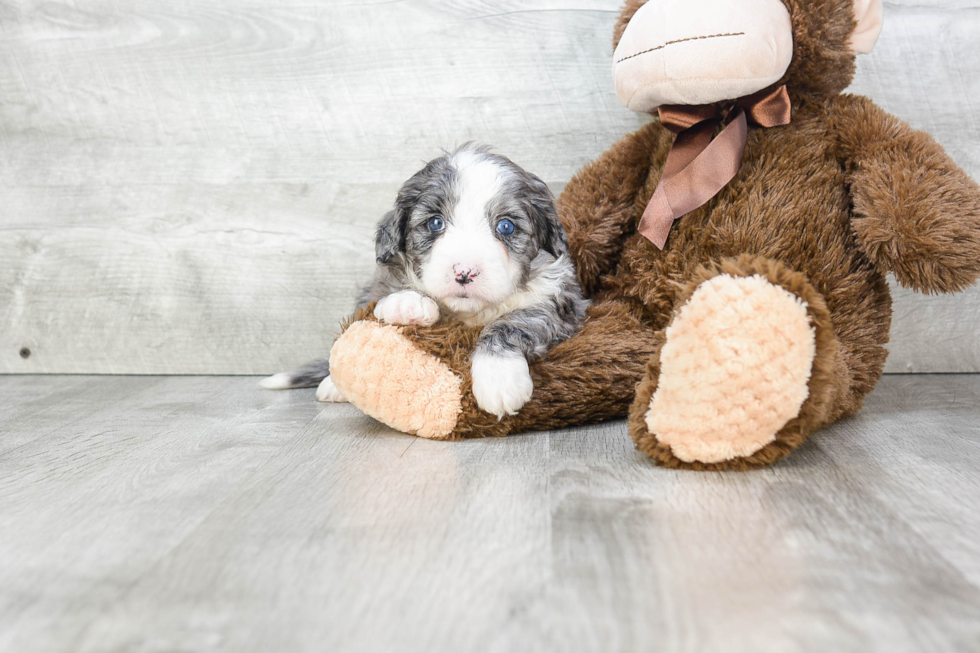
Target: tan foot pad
[733, 370]
[383, 374]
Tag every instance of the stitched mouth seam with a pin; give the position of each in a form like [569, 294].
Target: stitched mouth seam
[692, 38]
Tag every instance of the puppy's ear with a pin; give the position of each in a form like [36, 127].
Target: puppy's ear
[389, 239]
[393, 228]
[549, 232]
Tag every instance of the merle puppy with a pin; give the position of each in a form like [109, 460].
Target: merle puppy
[475, 238]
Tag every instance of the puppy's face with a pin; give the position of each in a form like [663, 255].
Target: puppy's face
[466, 228]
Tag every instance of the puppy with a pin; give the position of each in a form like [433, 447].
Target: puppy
[475, 238]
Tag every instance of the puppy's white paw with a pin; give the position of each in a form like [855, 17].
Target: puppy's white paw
[407, 307]
[328, 392]
[501, 384]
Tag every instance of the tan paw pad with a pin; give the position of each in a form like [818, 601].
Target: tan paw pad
[382, 373]
[733, 370]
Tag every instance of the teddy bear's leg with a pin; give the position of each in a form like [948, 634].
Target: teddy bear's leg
[417, 379]
[744, 372]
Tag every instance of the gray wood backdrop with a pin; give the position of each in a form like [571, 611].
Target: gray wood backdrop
[190, 186]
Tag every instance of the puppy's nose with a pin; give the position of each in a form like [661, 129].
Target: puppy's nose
[465, 274]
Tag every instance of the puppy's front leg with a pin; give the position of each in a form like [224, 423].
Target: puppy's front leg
[501, 382]
[407, 307]
[501, 378]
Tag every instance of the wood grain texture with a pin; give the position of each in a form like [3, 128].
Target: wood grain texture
[191, 187]
[203, 514]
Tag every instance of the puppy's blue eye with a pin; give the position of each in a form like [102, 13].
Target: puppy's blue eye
[436, 224]
[505, 227]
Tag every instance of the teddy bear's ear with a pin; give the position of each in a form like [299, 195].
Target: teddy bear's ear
[869, 15]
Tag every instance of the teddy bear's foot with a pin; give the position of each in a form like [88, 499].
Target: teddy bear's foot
[735, 370]
[398, 384]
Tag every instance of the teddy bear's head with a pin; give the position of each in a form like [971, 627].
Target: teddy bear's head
[705, 51]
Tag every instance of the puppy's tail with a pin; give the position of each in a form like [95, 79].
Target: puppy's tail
[307, 376]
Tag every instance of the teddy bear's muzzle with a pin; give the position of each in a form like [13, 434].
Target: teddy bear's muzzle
[701, 51]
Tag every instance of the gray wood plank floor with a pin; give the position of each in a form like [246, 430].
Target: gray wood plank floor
[202, 514]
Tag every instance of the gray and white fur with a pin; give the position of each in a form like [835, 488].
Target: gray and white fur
[476, 238]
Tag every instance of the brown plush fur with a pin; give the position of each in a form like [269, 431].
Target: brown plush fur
[823, 207]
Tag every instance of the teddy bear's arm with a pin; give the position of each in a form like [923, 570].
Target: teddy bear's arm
[599, 205]
[916, 213]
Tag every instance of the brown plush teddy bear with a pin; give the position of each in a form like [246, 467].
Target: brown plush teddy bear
[735, 251]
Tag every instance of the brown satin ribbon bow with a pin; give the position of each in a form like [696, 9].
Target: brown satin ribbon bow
[699, 166]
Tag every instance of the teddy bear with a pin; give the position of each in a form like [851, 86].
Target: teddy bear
[735, 251]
